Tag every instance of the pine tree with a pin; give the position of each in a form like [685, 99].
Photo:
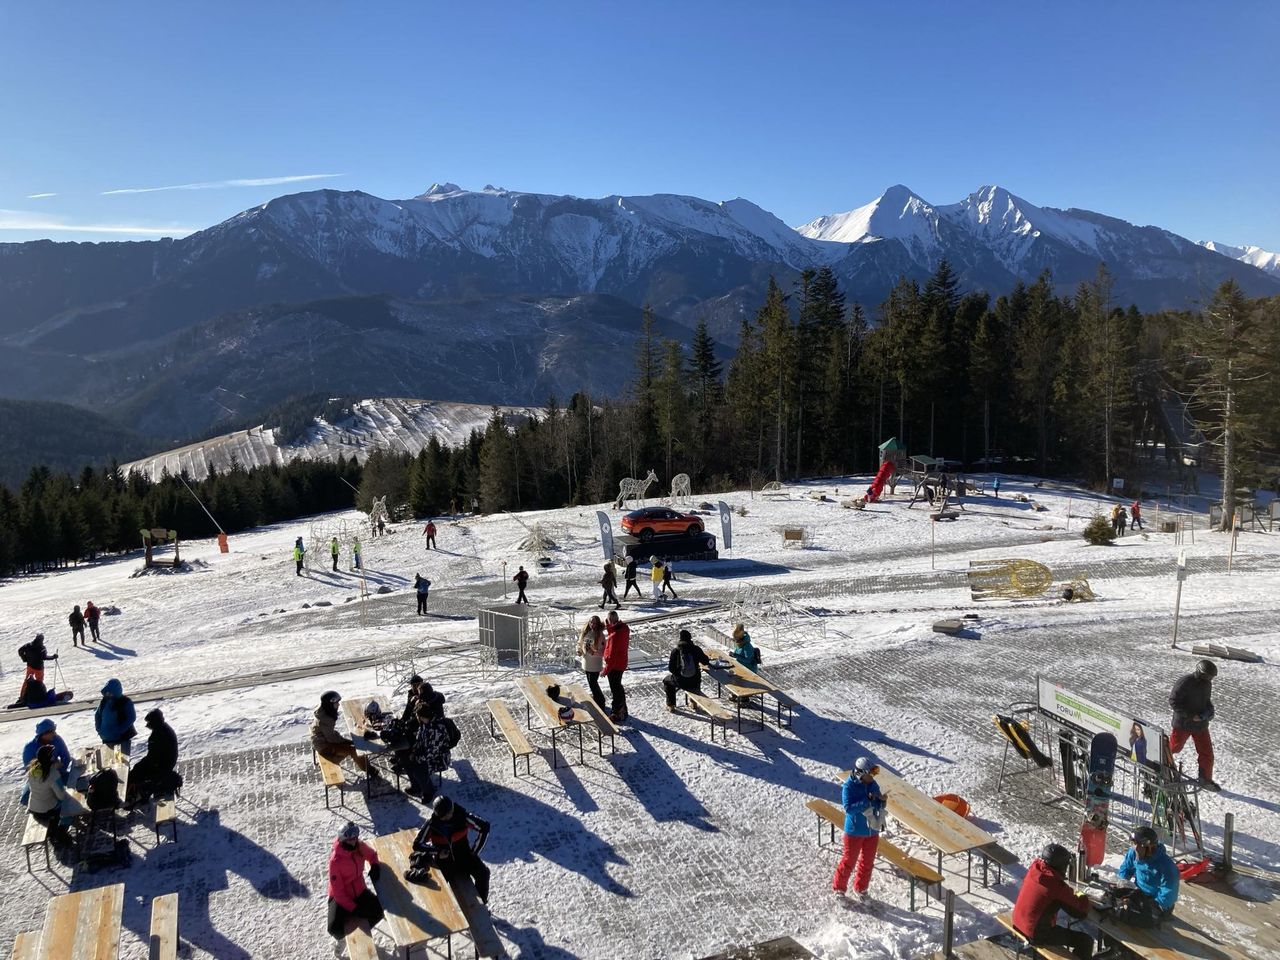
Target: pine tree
[644, 432]
[497, 475]
[706, 395]
[672, 409]
[744, 397]
[1037, 340]
[778, 368]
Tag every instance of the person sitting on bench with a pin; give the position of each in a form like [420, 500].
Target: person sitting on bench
[325, 738]
[44, 783]
[444, 842]
[157, 772]
[1044, 890]
[684, 669]
[349, 898]
[1155, 878]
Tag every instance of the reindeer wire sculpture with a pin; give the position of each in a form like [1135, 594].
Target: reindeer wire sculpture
[632, 489]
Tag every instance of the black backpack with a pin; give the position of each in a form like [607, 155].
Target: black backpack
[103, 791]
[24, 651]
[455, 735]
[688, 664]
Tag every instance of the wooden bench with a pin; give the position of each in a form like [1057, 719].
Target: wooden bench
[604, 726]
[26, 945]
[359, 939]
[714, 712]
[916, 870]
[994, 853]
[36, 834]
[1027, 948]
[332, 776]
[516, 741]
[166, 812]
[164, 928]
[783, 703]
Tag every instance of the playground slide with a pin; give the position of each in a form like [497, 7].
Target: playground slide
[877, 485]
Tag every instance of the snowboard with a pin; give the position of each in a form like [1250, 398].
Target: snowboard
[1097, 798]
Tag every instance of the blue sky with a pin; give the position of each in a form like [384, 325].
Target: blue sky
[1164, 113]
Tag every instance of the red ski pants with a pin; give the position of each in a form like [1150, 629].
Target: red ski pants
[1204, 748]
[859, 851]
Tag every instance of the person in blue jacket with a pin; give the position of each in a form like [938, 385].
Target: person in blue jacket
[1155, 876]
[46, 732]
[114, 717]
[863, 818]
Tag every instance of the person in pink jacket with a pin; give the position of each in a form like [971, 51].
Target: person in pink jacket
[349, 898]
[616, 645]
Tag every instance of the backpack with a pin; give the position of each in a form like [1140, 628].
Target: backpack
[103, 791]
[24, 651]
[756, 659]
[455, 735]
[688, 664]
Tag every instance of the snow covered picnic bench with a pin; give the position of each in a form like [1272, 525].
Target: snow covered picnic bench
[331, 776]
[166, 812]
[917, 871]
[605, 727]
[35, 835]
[516, 741]
[746, 684]
[537, 700]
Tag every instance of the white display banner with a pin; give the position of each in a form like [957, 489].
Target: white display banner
[606, 533]
[1090, 715]
[726, 525]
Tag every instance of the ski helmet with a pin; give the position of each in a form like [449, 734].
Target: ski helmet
[1145, 837]
[441, 807]
[1206, 668]
[863, 766]
[348, 833]
[1056, 856]
[328, 695]
[371, 709]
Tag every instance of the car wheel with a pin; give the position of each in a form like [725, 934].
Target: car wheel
[693, 530]
[646, 535]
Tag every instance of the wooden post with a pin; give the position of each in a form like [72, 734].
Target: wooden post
[1070, 499]
[933, 543]
[949, 925]
[1228, 841]
[1231, 549]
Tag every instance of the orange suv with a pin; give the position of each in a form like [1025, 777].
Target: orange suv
[651, 521]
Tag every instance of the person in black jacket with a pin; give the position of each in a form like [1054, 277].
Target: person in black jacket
[522, 580]
[1192, 705]
[34, 655]
[76, 619]
[630, 575]
[444, 842]
[156, 773]
[684, 669]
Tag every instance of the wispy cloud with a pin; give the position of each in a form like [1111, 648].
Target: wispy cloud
[223, 184]
[40, 196]
[28, 221]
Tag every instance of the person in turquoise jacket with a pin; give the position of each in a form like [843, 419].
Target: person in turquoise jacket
[743, 650]
[860, 796]
[115, 716]
[1154, 874]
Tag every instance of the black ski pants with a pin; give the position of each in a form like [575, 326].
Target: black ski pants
[609, 597]
[593, 683]
[465, 863]
[1077, 941]
[672, 683]
[632, 585]
[521, 598]
[368, 907]
[422, 603]
[619, 706]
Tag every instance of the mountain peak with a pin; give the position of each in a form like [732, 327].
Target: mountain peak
[1254, 256]
[899, 214]
[442, 190]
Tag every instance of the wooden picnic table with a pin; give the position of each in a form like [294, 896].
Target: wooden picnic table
[83, 926]
[745, 684]
[534, 691]
[353, 714]
[415, 913]
[1174, 939]
[91, 760]
[1219, 910]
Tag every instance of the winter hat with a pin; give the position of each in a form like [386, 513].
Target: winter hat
[153, 717]
[330, 695]
[349, 832]
[441, 807]
[45, 726]
[685, 636]
[415, 680]
[39, 638]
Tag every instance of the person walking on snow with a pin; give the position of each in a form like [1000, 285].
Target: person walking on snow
[298, 553]
[684, 669]
[630, 574]
[609, 584]
[355, 553]
[333, 552]
[1135, 512]
[616, 647]
[1044, 890]
[422, 586]
[863, 816]
[667, 572]
[591, 657]
[1192, 703]
[655, 578]
[91, 616]
[995, 487]
[429, 531]
[522, 580]
[349, 898]
[76, 619]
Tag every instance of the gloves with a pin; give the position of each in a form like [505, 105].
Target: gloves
[375, 871]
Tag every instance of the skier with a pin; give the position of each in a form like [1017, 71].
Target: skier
[349, 898]
[591, 657]
[655, 578]
[355, 553]
[422, 586]
[630, 574]
[34, 655]
[1135, 512]
[743, 650]
[114, 717]
[1192, 705]
[299, 551]
[684, 669]
[1155, 878]
[859, 796]
[444, 842]
[609, 584]
[76, 619]
[91, 617]
[325, 738]
[429, 531]
[616, 647]
[1044, 889]
[157, 772]
[333, 552]
[667, 571]
[522, 580]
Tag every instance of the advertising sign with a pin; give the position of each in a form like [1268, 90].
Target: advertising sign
[726, 524]
[606, 533]
[1086, 714]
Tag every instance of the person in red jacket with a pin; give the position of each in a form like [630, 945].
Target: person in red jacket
[616, 644]
[1043, 891]
[429, 531]
[349, 898]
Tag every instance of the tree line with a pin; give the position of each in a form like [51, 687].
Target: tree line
[1071, 385]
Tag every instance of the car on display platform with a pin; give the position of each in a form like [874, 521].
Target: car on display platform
[655, 521]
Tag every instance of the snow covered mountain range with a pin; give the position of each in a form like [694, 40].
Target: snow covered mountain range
[1255, 256]
[320, 290]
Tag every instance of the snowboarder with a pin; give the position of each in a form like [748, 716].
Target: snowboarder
[609, 584]
[46, 793]
[1135, 512]
[668, 570]
[630, 574]
[429, 531]
[76, 619]
[1192, 705]
[522, 580]
[34, 655]
[743, 650]
[355, 553]
[333, 552]
[91, 616]
[114, 717]
[591, 644]
[444, 842]
[422, 586]
[157, 772]
[684, 669]
[349, 898]
[863, 819]
[1044, 890]
[655, 578]
[616, 648]
[1155, 877]
[325, 738]
[299, 551]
